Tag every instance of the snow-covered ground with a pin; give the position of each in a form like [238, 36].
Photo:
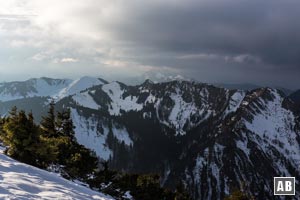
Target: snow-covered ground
[78, 85]
[86, 100]
[118, 103]
[22, 182]
[235, 101]
[275, 123]
[87, 134]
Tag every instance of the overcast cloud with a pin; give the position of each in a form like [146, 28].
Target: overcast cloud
[210, 40]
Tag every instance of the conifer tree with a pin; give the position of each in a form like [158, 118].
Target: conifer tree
[48, 123]
[111, 140]
[21, 135]
[2, 122]
[65, 124]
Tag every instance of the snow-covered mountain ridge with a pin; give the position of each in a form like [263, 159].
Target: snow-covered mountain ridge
[212, 138]
[180, 105]
[220, 134]
[42, 87]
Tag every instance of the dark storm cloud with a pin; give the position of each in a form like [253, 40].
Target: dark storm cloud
[268, 30]
[255, 41]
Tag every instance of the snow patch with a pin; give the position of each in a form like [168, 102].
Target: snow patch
[275, 127]
[128, 196]
[87, 134]
[86, 100]
[235, 101]
[79, 85]
[243, 146]
[122, 135]
[118, 103]
[182, 112]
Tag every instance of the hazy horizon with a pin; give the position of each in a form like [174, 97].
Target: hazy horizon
[136, 80]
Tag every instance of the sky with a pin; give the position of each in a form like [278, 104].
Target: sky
[215, 41]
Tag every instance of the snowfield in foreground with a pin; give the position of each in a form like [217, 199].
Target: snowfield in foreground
[21, 181]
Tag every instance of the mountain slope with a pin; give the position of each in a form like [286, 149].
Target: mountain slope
[21, 181]
[180, 105]
[45, 87]
[35, 94]
[213, 139]
[79, 85]
[32, 88]
[295, 97]
[250, 147]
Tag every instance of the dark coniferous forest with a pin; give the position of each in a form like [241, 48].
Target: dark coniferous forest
[51, 145]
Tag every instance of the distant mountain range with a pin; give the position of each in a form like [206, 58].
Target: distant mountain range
[213, 138]
[248, 87]
[42, 87]
[159, 77]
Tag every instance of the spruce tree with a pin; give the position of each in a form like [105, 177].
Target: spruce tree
[111, 140]
[2, 122]
[65, 124]
[20, 134]
[48, 122]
